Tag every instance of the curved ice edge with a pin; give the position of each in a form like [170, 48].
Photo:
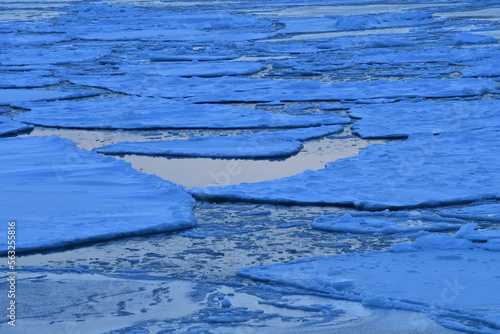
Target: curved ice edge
[200, 195]
[286, 153]
[442, 316]
[51, 247]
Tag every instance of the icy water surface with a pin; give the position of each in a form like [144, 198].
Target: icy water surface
[227, 53]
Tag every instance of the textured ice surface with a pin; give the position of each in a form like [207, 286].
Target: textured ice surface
[203, 69]
[227, 89]
[59, 195]
[354, 22]
[11, 96]
[143, 113]
[449, 278]
[424, 170]
[213, 147]
[53, 55]
[384, 223]
[258, 145]
[484, 68]
[484, 212]
[404, 119]
[10, 127]
[467, 38]
[435, 54]
[27, 79]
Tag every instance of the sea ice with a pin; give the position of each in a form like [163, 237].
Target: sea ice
[355, 22]
[12, 96]
[53, 55]
[258, 145]
[9, 127]
[213, 147]
[144, 113]
[231, 89]
[424, 170]
[451, 279]
[59, 195]
[203, 69]
[468, 38]
[485, 68]
[404, 119]
[484, 212]
[27, 79]
[385, 222]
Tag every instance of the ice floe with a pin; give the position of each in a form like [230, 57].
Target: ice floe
[385, 222]
[199, 69]
[484, 212]
[404, 119]
[355, 22]
[27, 79]
[259, 145]
[9, 127]
[143, 113]
[424, 170]
[467, 38]
[230, 89]
[52, 55]
[451, 279]
[213, 147]
[59, 195]
[12, 96]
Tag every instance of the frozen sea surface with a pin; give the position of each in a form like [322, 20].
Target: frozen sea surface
[102, 235]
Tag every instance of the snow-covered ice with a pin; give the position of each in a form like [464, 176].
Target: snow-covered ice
[385, 222]
[142, 113]
[59, 195]
[424, 170]
[403, 119]
[451, 279]
[259, 145]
